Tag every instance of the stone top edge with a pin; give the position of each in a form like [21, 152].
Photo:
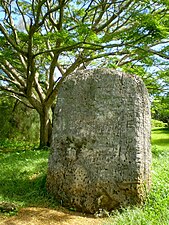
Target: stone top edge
[99, 72]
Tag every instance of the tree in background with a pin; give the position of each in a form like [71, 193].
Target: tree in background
[41, 39]
[160, 105]
[17, 121]
[160, 109]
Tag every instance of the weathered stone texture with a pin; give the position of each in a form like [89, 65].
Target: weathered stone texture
[100, 154]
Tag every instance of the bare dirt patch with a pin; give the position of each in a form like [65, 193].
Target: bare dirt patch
[45, 216]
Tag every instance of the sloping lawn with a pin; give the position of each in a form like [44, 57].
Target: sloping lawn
[22, 177]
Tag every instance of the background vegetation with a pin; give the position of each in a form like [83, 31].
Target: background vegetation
[18, 122]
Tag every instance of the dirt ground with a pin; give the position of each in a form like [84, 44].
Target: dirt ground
[44, 216]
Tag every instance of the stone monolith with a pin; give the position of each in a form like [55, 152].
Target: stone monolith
[100, 157]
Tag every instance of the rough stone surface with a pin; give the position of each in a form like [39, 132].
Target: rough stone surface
[100, 156]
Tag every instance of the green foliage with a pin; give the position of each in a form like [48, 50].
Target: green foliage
[160, 109]
[157, 123]
[11, 145]
[151, 81]
[17, 121]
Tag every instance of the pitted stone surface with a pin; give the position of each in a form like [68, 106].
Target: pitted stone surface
[100, 156]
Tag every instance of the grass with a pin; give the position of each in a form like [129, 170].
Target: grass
[23, 174]
[15, 145]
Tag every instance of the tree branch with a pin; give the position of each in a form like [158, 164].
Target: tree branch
[23, 16]
[10, 90]
[30, 62]
[14, 45]
[159, 53]
[38, 88]
[9, 69]
[52, 95]
[12, 81]
[38, 10]
[60, 68]
[82, 45]
[101, 13]
[22, 101]
[113, 17]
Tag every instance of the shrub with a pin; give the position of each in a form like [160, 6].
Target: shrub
[158, 123]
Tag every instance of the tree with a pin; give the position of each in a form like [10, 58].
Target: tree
[40, 38]
[17, 121]
[160, 105]
[160, 109]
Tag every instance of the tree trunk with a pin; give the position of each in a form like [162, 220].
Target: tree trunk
[45, 129]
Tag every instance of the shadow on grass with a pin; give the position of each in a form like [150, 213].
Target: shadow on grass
[23, 178]
[160, 130]
[25, 192]
[159, 152]
[161, 142]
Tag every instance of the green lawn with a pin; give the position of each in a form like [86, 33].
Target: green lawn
[23, 175]
[160, 140]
